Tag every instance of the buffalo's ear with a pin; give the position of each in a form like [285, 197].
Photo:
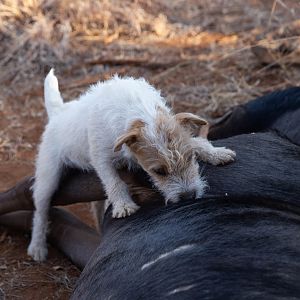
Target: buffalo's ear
[191, 122]
[130, 136]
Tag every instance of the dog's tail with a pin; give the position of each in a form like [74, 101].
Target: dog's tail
[53, 99]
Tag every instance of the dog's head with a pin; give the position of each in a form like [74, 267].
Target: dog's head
[164, 150]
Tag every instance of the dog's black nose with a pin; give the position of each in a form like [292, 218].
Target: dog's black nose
[190, 195]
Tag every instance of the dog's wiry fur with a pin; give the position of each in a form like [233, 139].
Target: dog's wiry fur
[120, 121]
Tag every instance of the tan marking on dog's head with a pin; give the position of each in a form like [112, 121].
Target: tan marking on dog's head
[165, 152]
[131, 136]
[191, 122]
[166, 144]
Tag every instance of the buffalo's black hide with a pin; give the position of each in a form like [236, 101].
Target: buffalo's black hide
[278, 111]
[242, 241]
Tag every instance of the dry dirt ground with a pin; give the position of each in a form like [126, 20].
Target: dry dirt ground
[205, 56]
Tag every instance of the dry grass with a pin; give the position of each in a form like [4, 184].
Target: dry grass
[205, 56]
[44, 33]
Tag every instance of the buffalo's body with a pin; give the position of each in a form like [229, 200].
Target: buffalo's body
[241, 241]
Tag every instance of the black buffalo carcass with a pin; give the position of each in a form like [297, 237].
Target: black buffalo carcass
[240, 241]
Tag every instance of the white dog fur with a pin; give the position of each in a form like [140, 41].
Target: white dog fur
[117, 122]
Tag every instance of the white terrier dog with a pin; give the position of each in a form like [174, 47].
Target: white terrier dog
[117, 122]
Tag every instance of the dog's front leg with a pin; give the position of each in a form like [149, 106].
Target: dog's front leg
[213, 155]
[116, 190]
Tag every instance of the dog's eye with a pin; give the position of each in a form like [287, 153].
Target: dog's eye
[160, 171]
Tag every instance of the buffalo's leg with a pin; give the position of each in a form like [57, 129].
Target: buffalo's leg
[76, 186]
[17, 198]
[67, 233]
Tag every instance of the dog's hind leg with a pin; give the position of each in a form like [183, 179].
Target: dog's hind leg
[48, 171]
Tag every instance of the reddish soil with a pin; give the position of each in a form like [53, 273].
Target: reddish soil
[211, 70]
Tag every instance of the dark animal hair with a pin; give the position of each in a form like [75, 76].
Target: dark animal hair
[241, 242]
[279, 111]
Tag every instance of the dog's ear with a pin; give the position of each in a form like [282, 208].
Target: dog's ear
[191, 122]
[131, 136]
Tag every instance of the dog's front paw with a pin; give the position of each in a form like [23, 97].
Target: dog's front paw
[37, 252]
[221, 156]
[124, 208]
